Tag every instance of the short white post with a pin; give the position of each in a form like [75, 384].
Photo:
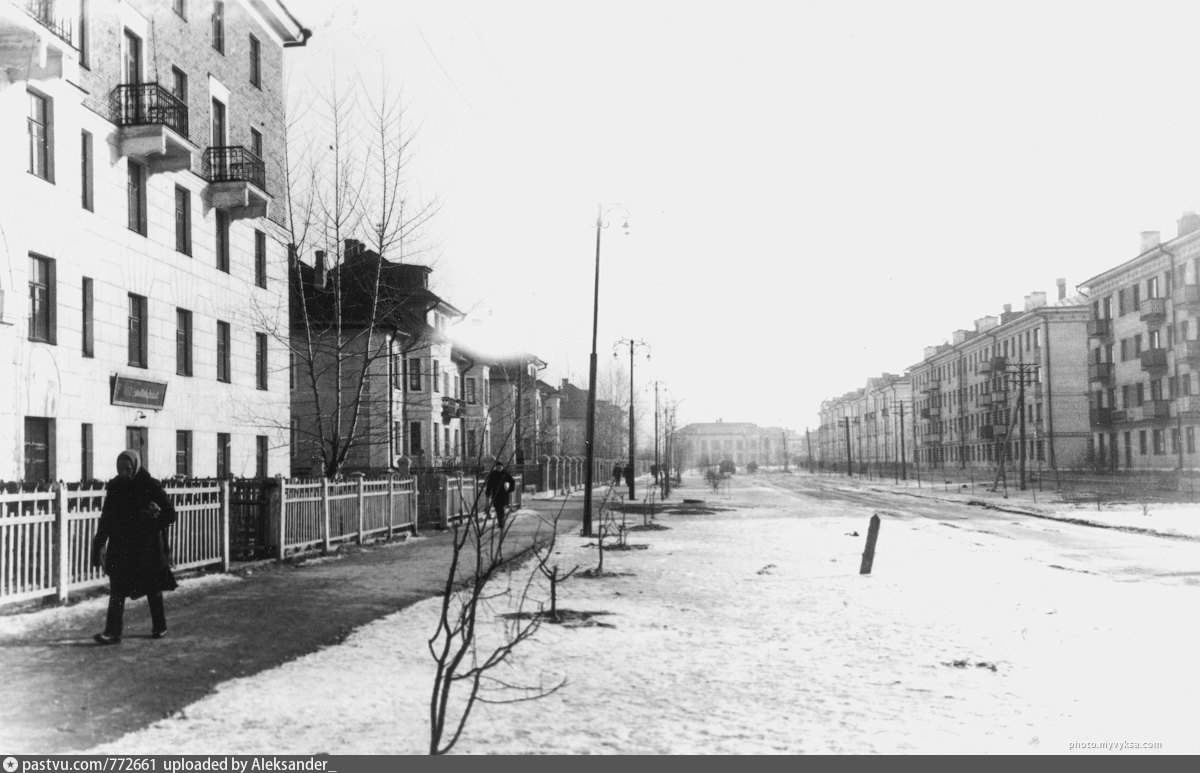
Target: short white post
[283, 506]
[361, 509]
[225, 524]
[61, 530]
[391, 510]
[325, 514]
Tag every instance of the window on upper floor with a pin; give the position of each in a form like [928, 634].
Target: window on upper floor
[38, 127]
[256, 143]
[218, 26]
[260, 259]
[183, 220]
[179, 84]
[414, 375]
[138, 332]
[136, 196]
[86, 174]
[42, 299]
[255, 62]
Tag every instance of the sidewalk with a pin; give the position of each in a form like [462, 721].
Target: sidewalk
[62, 692]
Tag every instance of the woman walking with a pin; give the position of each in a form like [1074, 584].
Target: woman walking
[133, 524]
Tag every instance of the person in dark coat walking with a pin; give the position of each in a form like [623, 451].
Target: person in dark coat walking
[497, 487]
[616, 475]
[133, 528]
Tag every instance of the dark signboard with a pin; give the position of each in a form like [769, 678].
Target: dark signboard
[137, 393]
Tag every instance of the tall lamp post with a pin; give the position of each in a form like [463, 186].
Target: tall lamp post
[589, 444]
[632, 442]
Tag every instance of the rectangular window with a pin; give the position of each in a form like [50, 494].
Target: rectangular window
[414, 375]
[260, 259]
[38, 127]
[260, 360]
[137, 331]
[88, 342]
[470, 390]
[255, 62]
[86, 452]
[86, 184]
[261, 449]
[1140, 392]
[1190, 439]
[1136, 290]
[218, 123]
[223, 452]
[1122, 303]
[223, 351]
[1175, 440]
[85, 38]
[136, 194]
[1152, 287]
[183, 342]
[1137, 345]
[437, 378]
[414, 438]
[222, 245]
[138, 438]
[179, 84]
[1124, 395]
[1160, 446]
[39, 449]
[1156, 389]
[1142, 442]
[42, 301]
[218, 26]
[131, 68]
[183, 220]
[256, 146]
[1124, 349]
[1154, 339]
[471, 444]
[183, 452]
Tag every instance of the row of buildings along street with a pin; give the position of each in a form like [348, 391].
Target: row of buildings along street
[149, 297]
[1104, 379]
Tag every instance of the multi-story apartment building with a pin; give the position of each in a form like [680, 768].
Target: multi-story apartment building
[515, 407]
[376, 381]
[1013, 387]
[143, 266]
[871, 422]
[1144, 355]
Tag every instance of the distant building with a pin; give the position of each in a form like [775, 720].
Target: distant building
[878, 414]
[739, 442]
[1143, 355]
[515, 407]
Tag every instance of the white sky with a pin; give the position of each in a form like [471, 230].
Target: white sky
[816, 191]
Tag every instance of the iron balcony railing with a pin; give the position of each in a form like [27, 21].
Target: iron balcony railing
[1100, 371]
[1153, 309]
[149, 104]
[233, 163]
[1154, 359]
[1099, 328]
[54, 16]
[1101, 416]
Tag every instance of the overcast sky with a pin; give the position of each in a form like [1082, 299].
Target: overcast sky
[816, 190]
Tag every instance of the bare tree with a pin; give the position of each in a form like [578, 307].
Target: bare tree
[554, 574]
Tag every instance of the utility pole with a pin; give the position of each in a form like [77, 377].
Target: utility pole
[849, 463]
[903, 465]
[785, 452]
[632, 435]
[916, 451]
[657, 466]
[808, 442]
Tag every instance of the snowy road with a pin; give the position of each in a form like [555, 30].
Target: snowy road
[750, 630]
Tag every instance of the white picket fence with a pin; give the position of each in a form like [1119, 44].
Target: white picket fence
[463, 496]
[324, 513]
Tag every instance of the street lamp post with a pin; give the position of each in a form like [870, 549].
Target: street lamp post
[589, 444]
[632, 437]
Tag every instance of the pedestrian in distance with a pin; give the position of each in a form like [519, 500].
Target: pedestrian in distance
[497, 487]
[629, 475]
[616, 473]
[131, 546]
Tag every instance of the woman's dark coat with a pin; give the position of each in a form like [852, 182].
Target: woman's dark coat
[134, 522]
[499, 483]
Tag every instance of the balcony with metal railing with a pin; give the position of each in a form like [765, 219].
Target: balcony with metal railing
[1101, 372]
[1188, 352]
[452, 408]
[153, 126]
[1100, 328]
[1101, 417]
[37, 39]
[1154, 359]
[1188, 405]
[1151, 410]
[993, 431]
[237, 181]
[1153, 310]
[1187, 297]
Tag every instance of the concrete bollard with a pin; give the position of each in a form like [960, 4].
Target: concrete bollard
[868, 556]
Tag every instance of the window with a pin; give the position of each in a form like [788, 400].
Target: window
[1124, 349]
[88, 342]
[222, 246]
[223, 351]
[39, 449]
[446, 382]
[414, 375]
[1122, 302]
[255, 62]
[260, 456]
[38, 127]
[1152, 287]
[1137, 297]
[86, 185]
[218, 123]
[1137, 345]
[1154, 340]
[180, 8]
[260, 360]
[1156, 389]
[179, 84]
[437, 380]
[183, 220]
[1190, 438]
[85, 43]
[138, 439]
[256, 146]
[471, 443]
[471, 392]
[183, 342]
[223, 452]
[131, 68]
[1140, 393]
[136, 193]
[1142, 442]
[260, 259]
[414, 438]
[42, 301]
[183, 452]
[86, 452]
[1160, 446]
[1124, 395]
[1175, 440]
[137, 330]
[218, 26]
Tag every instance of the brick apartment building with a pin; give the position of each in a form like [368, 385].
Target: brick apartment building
[142, 265]
[1144, 355]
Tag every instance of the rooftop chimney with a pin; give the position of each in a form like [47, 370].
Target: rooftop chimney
[353, 248]
[1149, 240]
[320, 278]
[1189, 221]
[1035, 301]
[984, 324]
[1062, 288]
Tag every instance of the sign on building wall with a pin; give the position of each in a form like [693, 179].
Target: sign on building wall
[137, 393]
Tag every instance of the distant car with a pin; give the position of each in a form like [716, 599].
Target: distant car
[728, 466]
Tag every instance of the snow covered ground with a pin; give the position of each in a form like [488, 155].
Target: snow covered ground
[751, 631]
